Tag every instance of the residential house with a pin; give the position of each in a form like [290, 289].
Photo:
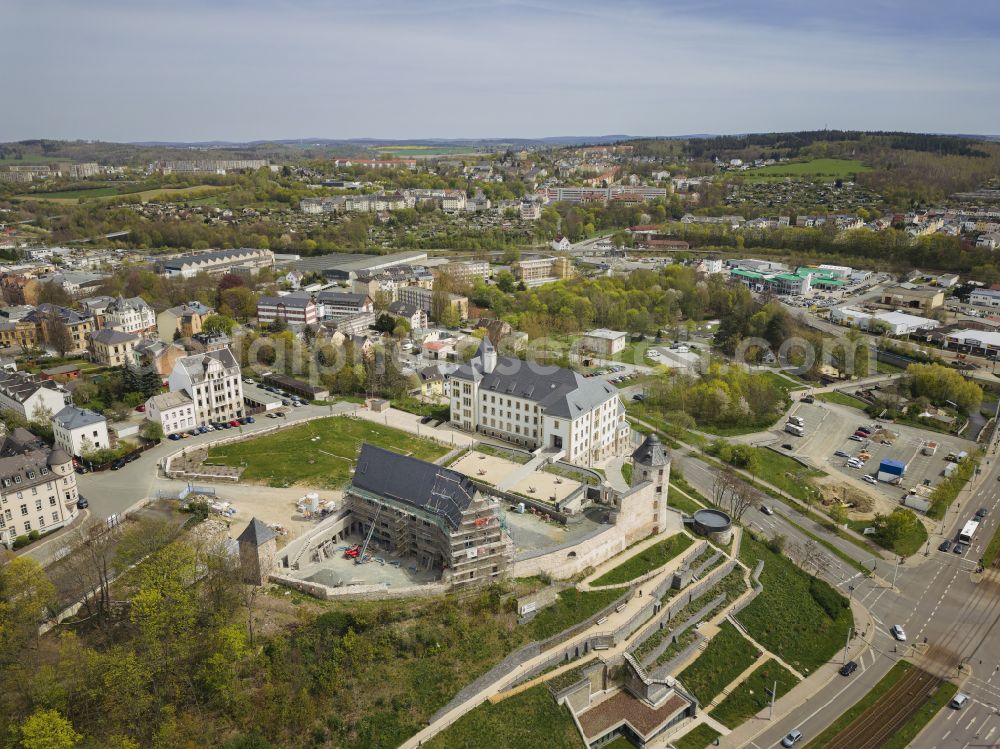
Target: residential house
[130, 315]
[113, 348]
[185, 320]
[173, 411]
[416, 317]
[158, 355]
[212, 381]
[47, 316]
[561, 243]
[79, 431]
[430, 382]
[37, 486]
[30, 396]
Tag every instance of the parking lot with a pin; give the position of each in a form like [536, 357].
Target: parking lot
[829, 428]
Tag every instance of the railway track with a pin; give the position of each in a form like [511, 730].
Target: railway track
[889, 713]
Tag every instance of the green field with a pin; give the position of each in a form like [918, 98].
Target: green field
[699, 738]
[754, 694]
[788, 616]
[531, 718]
[318, 453]
[835, 168]
[416, 152]
[647, 560]
[727, 656]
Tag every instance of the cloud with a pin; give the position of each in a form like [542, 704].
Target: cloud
[239, 70]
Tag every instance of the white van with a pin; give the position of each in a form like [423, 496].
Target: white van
[958, 701]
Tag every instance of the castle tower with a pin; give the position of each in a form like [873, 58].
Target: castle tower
[651, 462]
[487, 355]
[258, 552]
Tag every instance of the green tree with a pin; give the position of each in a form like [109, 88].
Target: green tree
[151, 431]
[47, 729]
[505, 281]
[216, 324]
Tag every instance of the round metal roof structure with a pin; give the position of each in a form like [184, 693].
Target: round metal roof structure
[712, 521]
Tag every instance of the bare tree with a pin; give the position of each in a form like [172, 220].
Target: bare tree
[86, 573]
[732, 493]
[57, 333]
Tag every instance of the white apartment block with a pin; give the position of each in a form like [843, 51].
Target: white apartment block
[173, 411]
[212, 382]
[537, 406]
[37, 486]
[293, 309]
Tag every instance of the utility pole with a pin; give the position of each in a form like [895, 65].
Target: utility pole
[850, 631]
[774, 692]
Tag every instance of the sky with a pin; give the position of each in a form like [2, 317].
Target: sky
[239, 70]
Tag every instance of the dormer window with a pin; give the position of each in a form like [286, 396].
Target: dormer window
[17, 479]
[31, 474]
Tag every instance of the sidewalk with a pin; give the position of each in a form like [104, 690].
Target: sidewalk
[744, 734]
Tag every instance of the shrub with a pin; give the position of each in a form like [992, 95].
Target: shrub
[34, 536]
[829, 599]
[21, 541]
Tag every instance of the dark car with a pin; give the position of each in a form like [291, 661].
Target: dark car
[118, 464]
[81, 469]
[960, 548]
[638, 397]
[788, 446]
[250, 420]
[174, 436]
[848, 668]
[425, 419]
[131, 456]
[807, 399]
[944, 545]
[82, 503]
[981, 513]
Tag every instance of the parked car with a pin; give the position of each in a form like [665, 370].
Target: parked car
[175, 437]
[842, 454]
[897, 631]
[234, 423]
[193, 433]
[202, 429]
[788, 446]
[848, 668]
[856, 438]
[82, 503]
[118, 464]
[638, 397]
[793, 738]
[250, 420]
[425, 419]
[141, 408]
[870, 479]
[945, 545]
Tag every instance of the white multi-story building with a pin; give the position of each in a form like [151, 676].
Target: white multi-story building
[172, 411]
[79, 431]
[37, 486]
[293, 309]
[537, 406]
[29, 396]
[129, 315]
[335, 305]
[212, 382]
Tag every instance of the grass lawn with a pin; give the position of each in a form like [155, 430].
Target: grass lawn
[910, 544]
[835, 168]
[788, 475]
[992, 549]
[439, 411]
[620, 743]
[754, 694]
[627, 472]
[734, 430]
[572, 606]
[531, 718]
[72, 197]
[787, 617]
[499, 452]
[783, 381]
[885, 684]
[679, 502]
[294, 455]
[727, 656]
[699, 738]
[651, 558]
[633, 353]
[842, 399]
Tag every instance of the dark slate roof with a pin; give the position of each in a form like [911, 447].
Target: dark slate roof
[415, 482]
[651, 452]
[560, 391]
[257, 533]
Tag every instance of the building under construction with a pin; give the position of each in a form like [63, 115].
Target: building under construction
[408, 507]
